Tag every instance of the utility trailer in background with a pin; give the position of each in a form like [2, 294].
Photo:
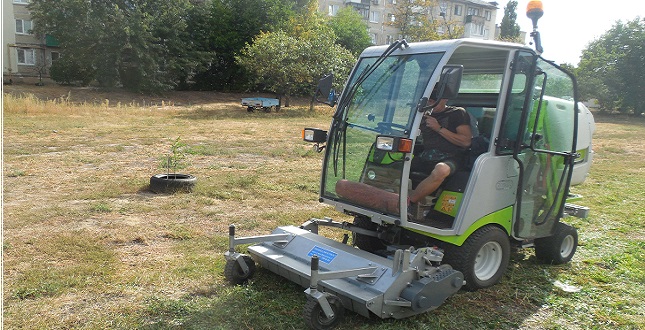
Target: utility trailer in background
[261, 103]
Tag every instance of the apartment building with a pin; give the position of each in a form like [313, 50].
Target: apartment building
[25, 56]
[478, 17]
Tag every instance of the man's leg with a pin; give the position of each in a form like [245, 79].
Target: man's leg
[426, 187]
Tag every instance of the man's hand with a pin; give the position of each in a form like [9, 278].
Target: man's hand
[432, 123]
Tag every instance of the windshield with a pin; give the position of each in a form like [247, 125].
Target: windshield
[388, 95]
[381, 103]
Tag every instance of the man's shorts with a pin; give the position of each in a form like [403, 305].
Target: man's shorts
[426, 166]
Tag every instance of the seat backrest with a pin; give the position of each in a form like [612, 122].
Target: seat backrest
[474, 125]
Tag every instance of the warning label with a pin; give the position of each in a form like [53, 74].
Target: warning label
[324, 255]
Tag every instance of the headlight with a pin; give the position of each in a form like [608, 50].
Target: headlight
[385, 143]
[395, 144]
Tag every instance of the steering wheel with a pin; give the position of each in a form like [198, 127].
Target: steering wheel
[387, 127]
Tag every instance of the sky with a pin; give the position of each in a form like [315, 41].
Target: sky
[568, 26]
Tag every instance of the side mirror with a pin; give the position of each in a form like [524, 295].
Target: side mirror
[446, 88]
[325, 91]
[450, 81]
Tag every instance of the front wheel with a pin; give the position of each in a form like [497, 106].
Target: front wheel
[365, 242]
[559, 248]
[483, 258]
[316, 318]
[234, 273]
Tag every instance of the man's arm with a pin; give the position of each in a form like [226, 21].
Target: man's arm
[461, 139]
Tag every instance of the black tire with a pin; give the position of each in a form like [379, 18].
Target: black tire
[171, 183]
[233, 271]
[364, 242]
[559, 248]
[267, 109]
[249, 109]
[315, 317]
[482, 259]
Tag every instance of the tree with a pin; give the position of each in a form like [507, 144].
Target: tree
[611, 68]
[66, 70]
[416, 21]
[140, 44]
[350, 30]
[291, 62]
[227, 27]
[509, 29]
[412, 19]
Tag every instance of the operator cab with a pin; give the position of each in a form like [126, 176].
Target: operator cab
[519, 160]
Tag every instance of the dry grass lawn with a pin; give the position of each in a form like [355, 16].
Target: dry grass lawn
[87, 246]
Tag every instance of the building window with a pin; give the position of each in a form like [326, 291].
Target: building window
[389, 39]
[487, 14]
[365, 13]
[391, 18]
[333, 10]
[374, 38]
[25, 2]
[477, 29]
[473, 11]
[53, 56]
[26, 56]
[23, 26]
[374, 17]
[459, 10]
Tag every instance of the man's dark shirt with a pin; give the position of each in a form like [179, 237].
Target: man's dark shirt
[436, 147]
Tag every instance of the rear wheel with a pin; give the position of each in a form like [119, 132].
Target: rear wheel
[316, 318]
[559, 248]
[364, 242]
[483, 258]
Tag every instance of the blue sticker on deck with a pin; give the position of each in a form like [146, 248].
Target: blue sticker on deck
[325, 256]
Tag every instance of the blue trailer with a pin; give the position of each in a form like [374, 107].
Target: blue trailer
[257, 103]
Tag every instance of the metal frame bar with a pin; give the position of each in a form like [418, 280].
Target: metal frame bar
[317, 276]
[233, 242]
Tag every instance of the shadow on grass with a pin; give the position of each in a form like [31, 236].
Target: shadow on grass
[619, 118]
[205, 113]
[269, 301]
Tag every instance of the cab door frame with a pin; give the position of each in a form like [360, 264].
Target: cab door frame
[544, 168]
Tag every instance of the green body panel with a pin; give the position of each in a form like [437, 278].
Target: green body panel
[503, 218]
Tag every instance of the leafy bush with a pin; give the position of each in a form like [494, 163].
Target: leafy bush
[67, 71]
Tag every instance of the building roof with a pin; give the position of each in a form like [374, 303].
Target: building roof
[490, 4]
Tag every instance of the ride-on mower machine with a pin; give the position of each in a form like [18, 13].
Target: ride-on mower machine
[531, 142]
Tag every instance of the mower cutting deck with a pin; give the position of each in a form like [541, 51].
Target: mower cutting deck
[340, 276]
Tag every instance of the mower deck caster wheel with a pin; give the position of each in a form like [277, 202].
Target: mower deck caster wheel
[315, 317]
[234, 273]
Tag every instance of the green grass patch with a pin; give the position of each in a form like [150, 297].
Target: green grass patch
[76, 262]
